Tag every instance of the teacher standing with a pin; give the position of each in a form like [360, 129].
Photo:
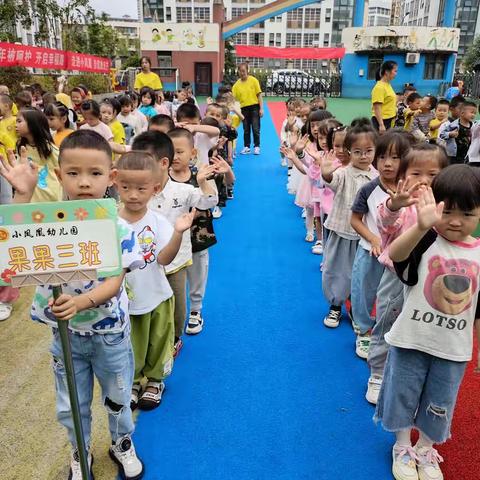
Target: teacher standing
[384, 99]
[147, 78]
[248, 92]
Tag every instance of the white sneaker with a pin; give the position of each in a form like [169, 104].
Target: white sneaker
[373, 389]
[217, 212]
[332, 320]
[428, 464]
[256, 151]
[362, 345]
[317, 249]
[123, 454]
[5, 311]
[245, 151]
[195, 324]
[309, 237]
[404, 465]
[75, 469]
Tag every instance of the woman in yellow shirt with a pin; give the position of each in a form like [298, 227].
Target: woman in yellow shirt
[248, 92]
[147, 78]
[384, 99]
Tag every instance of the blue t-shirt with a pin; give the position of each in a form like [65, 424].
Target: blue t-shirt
[148, 111]
[452, 92]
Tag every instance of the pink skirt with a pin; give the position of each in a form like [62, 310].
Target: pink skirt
[304, 193]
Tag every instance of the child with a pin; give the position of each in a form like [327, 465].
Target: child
[432, 339]
[441, 116]
[180, 98]
[414, 101]
[161, 123]
[172, 200]
[202, 232]
[422, 119]
[343, 239]
[91, 114]
[8, 134]
[147, 102]
[23, 99]
[97, 310]
[109, 109]
[418, 168]
[151, 311]
[78, 96]
[137, 113]
[34, 133]
[58, 121]
[401, 105]
[318, 103]
[455, 106]
[367, 271]
[457, 134]
[130, 122]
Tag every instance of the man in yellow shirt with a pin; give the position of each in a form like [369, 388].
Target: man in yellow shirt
[147, 78]
[248, 92]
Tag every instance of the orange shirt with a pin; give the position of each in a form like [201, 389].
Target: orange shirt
[60, 136]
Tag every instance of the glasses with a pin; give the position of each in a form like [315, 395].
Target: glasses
[360, 153]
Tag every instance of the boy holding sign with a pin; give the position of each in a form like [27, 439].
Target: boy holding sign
[99, 324]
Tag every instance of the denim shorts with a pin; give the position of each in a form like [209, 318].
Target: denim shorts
[419, 391]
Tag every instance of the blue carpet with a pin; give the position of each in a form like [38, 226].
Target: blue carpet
[265, 391]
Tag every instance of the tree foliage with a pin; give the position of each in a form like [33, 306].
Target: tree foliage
[472, 57]
[13, 12]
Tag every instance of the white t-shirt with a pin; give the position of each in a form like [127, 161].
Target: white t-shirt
[101, 128]
[203, 143]
[174, 200]
[441, 298]
[131, 120]
[148, 286]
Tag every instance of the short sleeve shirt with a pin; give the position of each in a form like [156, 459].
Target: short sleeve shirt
[118, 132]
[383, 93]
[441, 298]
[101, 128]
[148, 286]
[150, 79]
[246, 92]
[111, 316]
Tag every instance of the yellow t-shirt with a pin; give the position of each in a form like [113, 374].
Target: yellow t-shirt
[118, 132]
[383, 93]
[48, 186]
[8, 135]
[409, 116]
[60, 136]
[235, 120]
[65, 99]
[151, 80]
[246, 92]
[434, 128]
[14, 110]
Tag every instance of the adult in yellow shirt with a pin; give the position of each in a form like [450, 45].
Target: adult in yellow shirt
[384, 99]
[147, 78]
[248, 92]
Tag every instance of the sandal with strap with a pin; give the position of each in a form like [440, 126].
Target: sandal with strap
[136, 390]
[152, 396]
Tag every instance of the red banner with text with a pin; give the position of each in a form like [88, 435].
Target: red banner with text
[12, 55]
[289, 53]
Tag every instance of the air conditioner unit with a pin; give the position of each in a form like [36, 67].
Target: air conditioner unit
[412, 58]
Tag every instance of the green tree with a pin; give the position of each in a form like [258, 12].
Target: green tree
[472, 57]
[102, 38]
[230, 66]
[13, 12]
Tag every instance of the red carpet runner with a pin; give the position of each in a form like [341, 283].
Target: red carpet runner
[462, 452]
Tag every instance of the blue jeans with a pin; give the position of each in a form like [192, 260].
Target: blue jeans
[110, 358]
[366, 275]
[419, 391]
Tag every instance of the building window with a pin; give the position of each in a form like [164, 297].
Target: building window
[240, 38]
[278, 39]
[311, 39]
[294, 40]
[434, 66]
[184, 15]
[271, 40]
[238, 12]
[312, 17]
[328, 15]
[168, 14]
[374, 64]
[326, 40]
[201, 14]
[257, 38]
[164, 61]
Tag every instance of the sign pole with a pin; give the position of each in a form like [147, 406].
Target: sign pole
[72, 390]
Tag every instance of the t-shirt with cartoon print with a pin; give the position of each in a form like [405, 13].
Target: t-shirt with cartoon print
[109, 317]
[441, 298]
[148, 286]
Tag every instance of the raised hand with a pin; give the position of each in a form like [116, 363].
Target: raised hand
[315, 154]
[184, 222]
[328, 164]
[291, 120]
[301, 143]
[21, 173]
[428, 212]
[221, 143]
[403, 196]
[288, 152]
[220, 165]
[205, 172]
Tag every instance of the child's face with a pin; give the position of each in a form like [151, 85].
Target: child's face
[90, 118]
[338, 140]
[387, 165]
[56, 123]
[5, 109]
[146, 99]
[423, 170]
[215, 113]
[76, 98]
[181, 96]
[416, 104]
[106, 114]
[304, 113]
[425, 104]
[458, 225]
[314, 128]
[468, 113]
[136, 188]
[322, 142]
[441, 112]
[85, 173]
[126, 109]
[362, 152]
[21, 126]
[184, 152]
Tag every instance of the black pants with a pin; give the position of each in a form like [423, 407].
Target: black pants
[388, 122]
[251, 121]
